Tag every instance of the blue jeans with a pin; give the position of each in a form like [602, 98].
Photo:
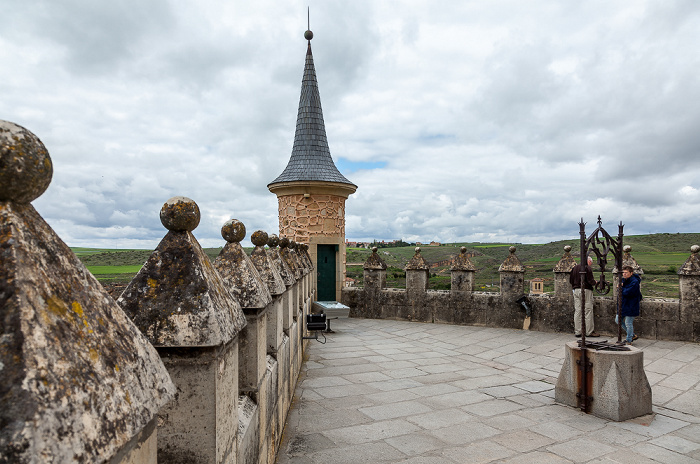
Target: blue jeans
[628, 324]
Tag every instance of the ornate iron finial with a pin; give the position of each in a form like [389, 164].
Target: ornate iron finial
[600, 221]
[308, 35]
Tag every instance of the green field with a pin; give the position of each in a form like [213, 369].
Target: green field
[659, 255]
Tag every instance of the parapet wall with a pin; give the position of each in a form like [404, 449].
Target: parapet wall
[196, 362]
[666, 319]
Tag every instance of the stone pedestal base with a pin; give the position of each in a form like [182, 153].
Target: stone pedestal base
[619, 387]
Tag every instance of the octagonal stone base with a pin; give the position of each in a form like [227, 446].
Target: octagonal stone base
[619, 387]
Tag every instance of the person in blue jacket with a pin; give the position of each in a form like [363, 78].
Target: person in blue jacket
[631, 297]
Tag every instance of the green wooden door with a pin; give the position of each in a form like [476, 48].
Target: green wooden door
[325, 264]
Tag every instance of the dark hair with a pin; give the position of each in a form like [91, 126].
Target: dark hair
[628, 268]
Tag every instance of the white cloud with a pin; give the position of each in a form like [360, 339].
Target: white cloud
[496, 121]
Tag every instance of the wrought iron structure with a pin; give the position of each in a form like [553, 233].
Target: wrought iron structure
[601, 244]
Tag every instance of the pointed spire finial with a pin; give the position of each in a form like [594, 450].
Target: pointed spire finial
[308, 35]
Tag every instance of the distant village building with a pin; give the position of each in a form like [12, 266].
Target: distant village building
[434, 244]
[536, 286]
[311, 192]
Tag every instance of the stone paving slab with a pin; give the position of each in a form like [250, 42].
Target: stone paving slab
[406, 392]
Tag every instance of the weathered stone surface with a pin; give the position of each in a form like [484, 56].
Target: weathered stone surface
[25, 164]
[462, 262]
[417, 262]
[692, 264]
[241, 277]
[180, 214]
[267, 271]
[566, 263]
[628, 260]
[374, 261]
[237, 270]
[179, 299]
[78, 378]
[288, 258]
[273, 254]
[512, 263]
[619, 386]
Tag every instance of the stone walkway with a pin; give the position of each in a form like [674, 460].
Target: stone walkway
[389, 392]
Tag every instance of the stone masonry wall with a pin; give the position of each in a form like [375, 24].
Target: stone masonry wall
[660, 318]
[302, 217]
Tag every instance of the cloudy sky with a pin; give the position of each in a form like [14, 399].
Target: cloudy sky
[458, 120]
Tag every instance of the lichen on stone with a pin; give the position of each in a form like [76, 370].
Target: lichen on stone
[512, 263]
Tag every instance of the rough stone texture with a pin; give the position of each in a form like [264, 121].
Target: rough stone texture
[692, 264]
[180, 214]
[689, 291]
[512, 263]
[301, 217]
[288, 258]
[566, 263]
[660, 318]
[417, 262]
[273, 254]
[241, 277]
[275, 319]
[268, 272]
[620, 388]
[462, 261]
[25, 164]
[275, 258]
[179, 299]
[374, 261]
[248, 431]
[200, 425]
[78, 378]
[296, 257]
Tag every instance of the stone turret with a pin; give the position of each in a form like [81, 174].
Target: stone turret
[311, 192]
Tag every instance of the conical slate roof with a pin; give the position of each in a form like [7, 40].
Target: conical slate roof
[311, 158]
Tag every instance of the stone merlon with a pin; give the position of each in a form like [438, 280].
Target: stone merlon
[79, 380]
[178, 298]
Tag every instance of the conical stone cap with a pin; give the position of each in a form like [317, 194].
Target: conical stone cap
[78, 380]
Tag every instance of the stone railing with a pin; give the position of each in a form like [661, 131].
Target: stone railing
[195, 361]
[661, 318]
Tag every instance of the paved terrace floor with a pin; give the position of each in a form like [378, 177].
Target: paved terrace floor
[389, 392]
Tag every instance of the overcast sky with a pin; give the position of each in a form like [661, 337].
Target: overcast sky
[458, 120]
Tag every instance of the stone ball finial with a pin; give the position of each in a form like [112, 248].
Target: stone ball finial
[374, 249]
[273, 240]
[694, 249]
[567, 248]
[463, 250]
[308, 35]
[233, 231]
[512, 249]
[627, 249]
[259, 238]
[25, 165]
[180, 214]
[284, 242]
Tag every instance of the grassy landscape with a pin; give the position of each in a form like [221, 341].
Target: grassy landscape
[659, 255]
